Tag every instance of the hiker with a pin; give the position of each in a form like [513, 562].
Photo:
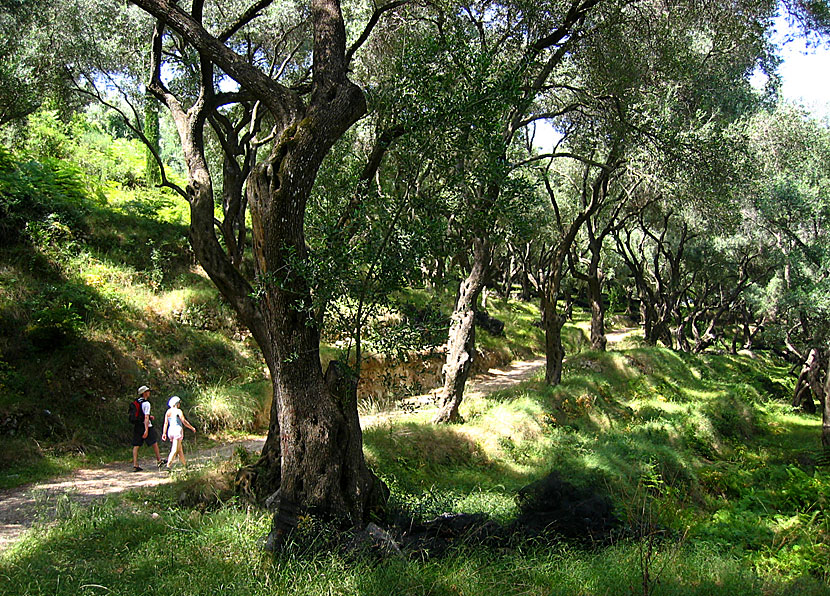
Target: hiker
[174, 423]
[143, 431]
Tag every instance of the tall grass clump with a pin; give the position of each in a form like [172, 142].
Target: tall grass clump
[233, 407]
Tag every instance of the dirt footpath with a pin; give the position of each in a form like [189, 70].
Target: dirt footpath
[20, 507]
[495, 379]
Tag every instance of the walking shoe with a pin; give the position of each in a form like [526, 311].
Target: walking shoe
[137, 469]
[159, 464]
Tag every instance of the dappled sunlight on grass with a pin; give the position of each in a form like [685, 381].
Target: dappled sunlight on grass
[621, 365]
[698, 394]
[711, 462]
[459, 457]
[649, 408]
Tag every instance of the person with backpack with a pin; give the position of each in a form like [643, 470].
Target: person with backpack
[143, 431]
[174, 423]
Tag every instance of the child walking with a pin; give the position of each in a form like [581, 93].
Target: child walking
[174, 423]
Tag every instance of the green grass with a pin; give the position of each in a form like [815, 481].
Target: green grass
[192, 553]
[95, 302]
[739, 513]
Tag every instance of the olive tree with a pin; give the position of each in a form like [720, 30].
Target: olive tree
[313, 454]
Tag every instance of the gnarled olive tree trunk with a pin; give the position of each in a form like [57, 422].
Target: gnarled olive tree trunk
[825, 410]
[322, 465]
[313, 453]
[461, 342]
[552, 322]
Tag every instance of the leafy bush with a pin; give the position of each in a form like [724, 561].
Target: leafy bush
[43, 201]
[732, 418]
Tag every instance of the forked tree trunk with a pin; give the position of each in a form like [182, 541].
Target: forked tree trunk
[804, 390]
[314, 444]
[322, 469]
[461, 342]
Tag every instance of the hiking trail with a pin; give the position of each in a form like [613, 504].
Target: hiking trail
[21, 507]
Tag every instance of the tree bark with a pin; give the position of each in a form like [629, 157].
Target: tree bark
[152, 171]
[803, 393]
[461, 342]
[598, 339]
[825, 410]
[554, 351]
[631, 313]
[593, 279]
[314, 445]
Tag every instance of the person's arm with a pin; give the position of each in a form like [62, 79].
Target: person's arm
[146, 422]
[187, 424]
[164, 430]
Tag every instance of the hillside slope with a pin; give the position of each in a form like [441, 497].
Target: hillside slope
[98, 295]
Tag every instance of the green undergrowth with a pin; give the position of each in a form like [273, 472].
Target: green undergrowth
[723, 489]
[191, 553]
[720, 485]
[99, 293]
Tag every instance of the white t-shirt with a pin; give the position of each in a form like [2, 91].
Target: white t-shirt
[145, 409]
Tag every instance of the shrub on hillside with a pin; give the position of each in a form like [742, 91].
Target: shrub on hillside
[40, 200]
[733, 418]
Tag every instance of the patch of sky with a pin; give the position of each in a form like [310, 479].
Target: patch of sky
[803, 70]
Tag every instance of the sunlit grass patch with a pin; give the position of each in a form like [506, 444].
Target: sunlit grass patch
[423, 446]
[242, 407]
[754, 525]
[513, 432]
[693, 394]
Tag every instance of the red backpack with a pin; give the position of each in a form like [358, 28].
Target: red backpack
[135, 414]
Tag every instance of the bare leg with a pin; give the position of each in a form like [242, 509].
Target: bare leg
[173, 449]
[135, 457]
[181, 454]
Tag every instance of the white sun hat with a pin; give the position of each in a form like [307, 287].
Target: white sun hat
[173, 401]
[142, 389]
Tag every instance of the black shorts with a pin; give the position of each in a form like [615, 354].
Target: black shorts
[138, 440]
